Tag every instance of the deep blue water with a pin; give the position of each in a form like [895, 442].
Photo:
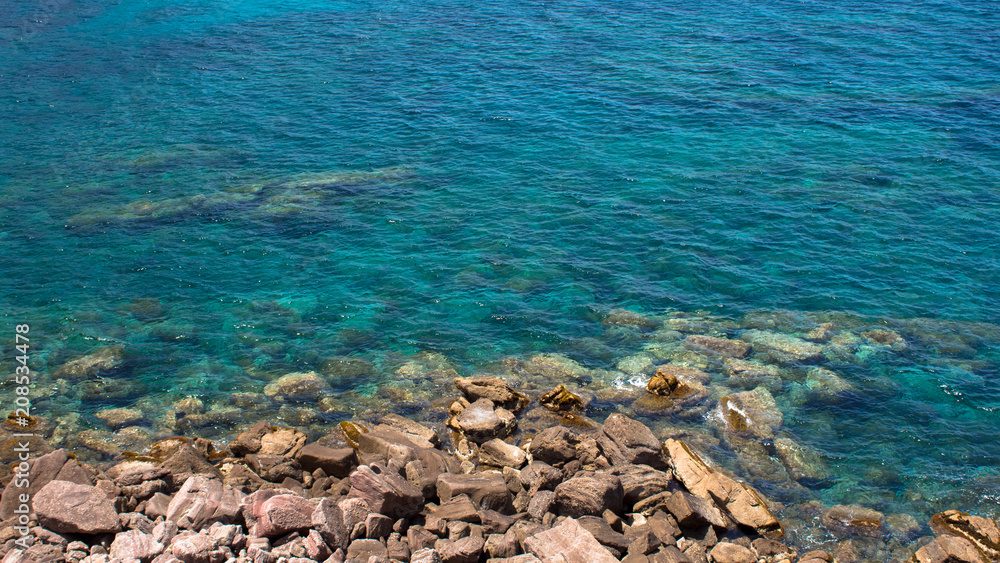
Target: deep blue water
[487, 179]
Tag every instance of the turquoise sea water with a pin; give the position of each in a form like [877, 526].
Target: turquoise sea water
[235, 190]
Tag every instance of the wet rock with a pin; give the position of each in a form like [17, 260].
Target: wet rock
[816, 556]
[488, 490]
[888, 338]
[385, 491]
[69, 508]
[625, 441]
[495, 390]
[782, 348]
[751, 412]
[498, 453]
[589, 494]
[674, 389]
[981, 532]
[854, 520]
[298, 387]
[482, 422]
[749, 374]
[118, 418]
[624, 317]
[802, 463]
[570, 542]
[561, 399]
[717, 346]
[202, 501]
[826, 386]
[134, 545]
[103, 362]
[771, 550]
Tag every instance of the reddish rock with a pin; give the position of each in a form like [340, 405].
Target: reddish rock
[269, 513]
[641, 481]
[202, 501]
[335, 519]
[691, 511]
[69, 508]
[385, 491]
[465, 550]
[494, 389]
[725, 552]
[337, 462]
[571, 542]
[488, 490]
[949, 549]
[554, 445]
[626, 441]
[982, 532]
[483, 421]
[135, 545]
[589, 493]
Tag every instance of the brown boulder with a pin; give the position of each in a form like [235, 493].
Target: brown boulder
[554, 445]
[949, 549]
[488, 490]
[568, 542]
[625, 441]
[271, 514]
[589, 493]
[494, 389]
[725, 552]
[69, 508]
[333, 461]
[483, 421]
[385, 491]
[982, 532]
[202, 501]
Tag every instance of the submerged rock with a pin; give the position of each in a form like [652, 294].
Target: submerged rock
[102, 362]
[782, 348]
[749, 374]
[624, 317]
[717, 346]
[826, 386]
[803, 463]
[752, 412]
[855, 520]
[302, 386]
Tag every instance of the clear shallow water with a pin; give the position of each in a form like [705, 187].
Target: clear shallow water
[488, 179]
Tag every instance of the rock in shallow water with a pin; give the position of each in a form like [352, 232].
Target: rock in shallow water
[782, 348]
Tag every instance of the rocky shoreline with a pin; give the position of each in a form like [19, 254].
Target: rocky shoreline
[473, 490]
